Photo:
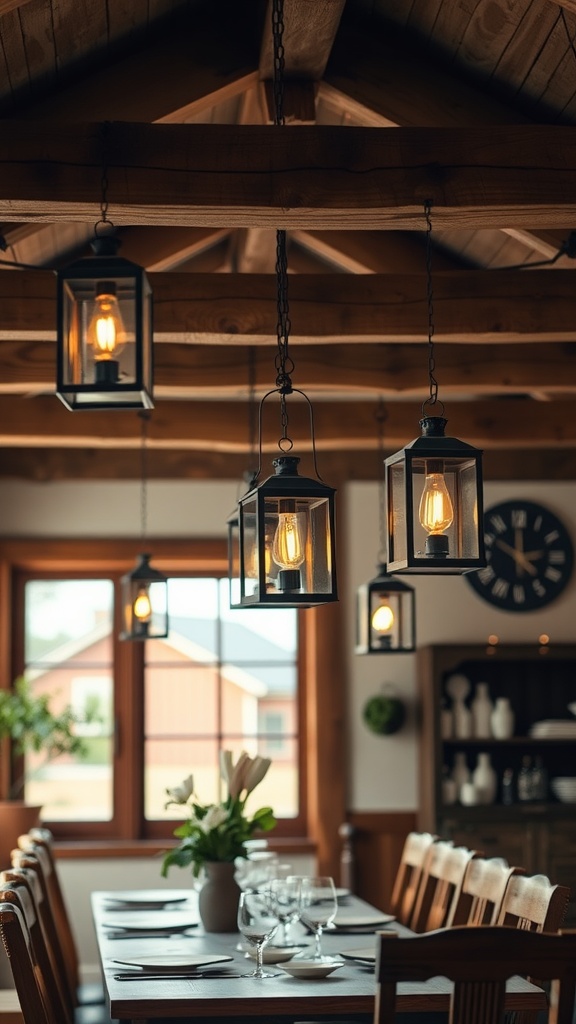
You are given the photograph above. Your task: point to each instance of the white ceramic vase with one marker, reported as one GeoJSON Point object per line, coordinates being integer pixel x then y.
{"type": "Point", "coordinates": [502, 719]}
{"type": "Point", "coordinates": [462, 720]}
{"type": "Point", "coordinates": [460, 771]}
{"type": "Point", "coordinates": [485, 780]}
{"type": "Point", "coordinates": [482, 708]}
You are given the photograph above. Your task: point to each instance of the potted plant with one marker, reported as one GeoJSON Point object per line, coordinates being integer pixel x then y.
{"type": "Point", "coordinates": [29, 722]}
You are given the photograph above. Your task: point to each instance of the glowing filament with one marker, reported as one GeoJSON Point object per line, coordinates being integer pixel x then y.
{"type": "Point", "coordinates": [142, 607]}
{"type": "Point", "coordinates": [289, 546]}
{"type": "Point", "coordinates": [106, 331]}
{"type": "Point", "coordinates": [383, 618]}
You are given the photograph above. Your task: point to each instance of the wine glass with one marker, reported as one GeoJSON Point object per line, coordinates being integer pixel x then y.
{"type": "Point", "coordinates": [285, 896]}
{"type": "Point", "coordinates": [318, 906]}
{"type": "Point", "coordinates": [257, 920]}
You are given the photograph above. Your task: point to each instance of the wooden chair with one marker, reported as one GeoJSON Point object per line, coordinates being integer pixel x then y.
{"type": "Point", "coordinates": [532, 903]}
{"type": "Point", "coordinates": [482, 892]}
{"type": "Point", "coordinates": [34, 1001]}
{"type": "Point", "coordinates": [48, 988]}
{"type": "Point", "coordinates": [38, 843]}
{"type": "Point", "coordinates": [19, 879]}
{"type": "Point", "coordinates": [416, 848]}
{"type": "Point", "coordinates": [440, 885]}
{"type": "Point", "coordinates": [479, 961]}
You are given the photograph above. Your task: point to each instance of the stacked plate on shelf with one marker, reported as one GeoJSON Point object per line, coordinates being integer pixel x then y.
{"type": "Point", "coordinates": [554, 729]}
{"type": "Point", "coordinates": [564, 788]}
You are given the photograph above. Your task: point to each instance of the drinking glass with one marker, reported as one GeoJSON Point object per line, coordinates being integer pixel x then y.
{"type": "Point", "coordinates": [257, 920]}
{"type": "Point", "coordinates": [285, 896]}
{"type": "Point", "coordinates": [318, 906]}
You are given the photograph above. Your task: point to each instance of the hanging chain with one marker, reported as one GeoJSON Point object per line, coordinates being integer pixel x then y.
{"type": "Point", "coordinates": [283, 363]}
{"type": "Point", "coordinates": [104, 222]}
{"type": "Point", "coordinates": [144, 416]}
{"type": "Point", "coordinates": [381, 417]}
{"type": "Point", "coordinates": [278, 69]}
{"type": "Point", "coordinates": [433, 383]}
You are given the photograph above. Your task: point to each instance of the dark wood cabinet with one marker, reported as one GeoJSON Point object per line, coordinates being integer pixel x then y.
{"type": "Point", "coordinates": [539, 835]}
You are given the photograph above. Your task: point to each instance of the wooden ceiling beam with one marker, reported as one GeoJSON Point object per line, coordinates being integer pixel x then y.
{"type": "Point", "coordinates": [196, 426]}
{"type": "Point", "coordinates": [45, 465]}
{"type": "Point", "coordinates": [469, 306]}
{"type": "Point", "coordinates": [196, 371]}
{"type": "Point", "coordinates": [308, 176]}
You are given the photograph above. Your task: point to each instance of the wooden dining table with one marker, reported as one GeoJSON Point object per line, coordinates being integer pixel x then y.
{"type": "Point", "coordinates": [278, 1000]}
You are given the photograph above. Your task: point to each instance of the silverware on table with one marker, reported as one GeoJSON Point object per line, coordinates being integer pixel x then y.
{"type": "Point", "coordinates": [168, 976]}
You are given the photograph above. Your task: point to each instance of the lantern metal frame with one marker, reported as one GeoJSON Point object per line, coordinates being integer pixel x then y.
{"type": "Point", "coordinates": [144, 583]}
{"type": "Point", "coordinates": [443, 470]}
{"type": "Point", "coordinates": [104, 323]}
{"type": "Point", "coordinates": [395, 600]}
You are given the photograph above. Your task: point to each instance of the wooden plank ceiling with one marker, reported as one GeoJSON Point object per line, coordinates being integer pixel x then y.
{"type": "Point", "coordinates": [482, 97]}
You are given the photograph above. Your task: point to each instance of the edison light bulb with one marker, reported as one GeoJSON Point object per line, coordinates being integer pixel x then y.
{"type": "Point", "coordinates": [435, 513]}
{"type": "Point", "coordinates": [106, 331]}
{"type": "Point", "coordinates": [142, 607]}
{"type": "Point", "coordinates": [289, 545]}
{"type": "Point", "coordinates": [383, 618]}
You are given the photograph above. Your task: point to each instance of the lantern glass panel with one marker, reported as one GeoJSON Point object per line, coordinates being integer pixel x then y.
{"type": "Point", "coordinates": [249, 559]}
{"type": "Point", "coordinates": [397, 512]}
{"type": "Point", "coordinates": [390, 620]}
{"type": "Point", "coordinates": [300, 544]}
{"type": "Point", "coordinates": [451, 505]}
{"type": "Point", "coordinates": [145, 626]}
{"type": "Point", "coordinates": [99, 325]}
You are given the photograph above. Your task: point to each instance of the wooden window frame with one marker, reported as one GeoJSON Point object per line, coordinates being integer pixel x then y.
{"type": "Point", "coordinates": [321, 725]}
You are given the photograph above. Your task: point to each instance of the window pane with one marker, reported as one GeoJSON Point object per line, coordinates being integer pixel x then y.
{"type": "Point", "coordinates": [68, 648]}
{"type": "Point", "coordinates": [210, 686]}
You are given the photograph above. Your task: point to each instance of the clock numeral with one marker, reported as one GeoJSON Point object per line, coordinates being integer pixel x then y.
{"type": "Point", "coordinates": [486, 575]}
{"type": "Point", "coordinates": [553, 574]}
{"type": "Point", "coordinates": [537, 524]}
{"type": "Point", "coordinates": [538, 588]}
{"type": "Point", "coordinates": [557, 557]}
{"type": "Point", "coordinates": [500, 588]}
{"type": "Point", "coordinates": [518, 593]}
{"type": "Point", "coordinates": [488, 539]}
{"type": "Point", "coordinates": [498, 524]}
{"type": "Point", "coordinates": [549, 538]}
{"type": "Point", "coordinates": [518, 518]}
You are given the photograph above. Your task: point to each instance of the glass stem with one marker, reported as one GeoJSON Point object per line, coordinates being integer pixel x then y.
{"type": "Point", "coordinates": [318, 938]}
{"type": "Point", "coordinates": [259, 949]}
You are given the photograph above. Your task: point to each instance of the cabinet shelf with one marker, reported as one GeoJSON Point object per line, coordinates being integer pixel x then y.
{"type": "Point", "coordinates": [513, 741]}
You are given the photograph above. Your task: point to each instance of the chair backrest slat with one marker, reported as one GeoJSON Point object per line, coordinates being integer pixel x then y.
{"type": "Point", "coordinates": [440, 885]}
{"type": "Point", "coordinates": [482, 892]}
{"type": "Point", "coordinates": [416, 848]}
{"type": "Point", "coordinates": [532, 903]}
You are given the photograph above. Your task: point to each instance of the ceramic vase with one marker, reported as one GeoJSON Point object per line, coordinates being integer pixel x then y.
{"type": "Point", "coordinates": [485, 780]}
{"type": "Point", "coordinates": [460, 772]}
{"type": "Point", "coordinates": [462, 720]}
{"type": "Point", "coordinates": [482, 708]}
{"type": "Point", "coordinates": [218, 898]}
{"type": "Point", "coordinates": [502, 719]}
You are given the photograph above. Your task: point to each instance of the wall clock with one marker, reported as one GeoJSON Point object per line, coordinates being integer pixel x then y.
{"type": "Point", "coordinates": [529, 556]}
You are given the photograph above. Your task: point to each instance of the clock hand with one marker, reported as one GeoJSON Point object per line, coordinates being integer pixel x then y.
{"type": "Point", "coordinates": [522, 562]}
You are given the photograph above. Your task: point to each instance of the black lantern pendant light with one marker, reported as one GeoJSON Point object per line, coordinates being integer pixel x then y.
{"type": "Point", "coordinates": [144, 591]}
{"type": "Point", "coordinates": [104, 345]}
{"type": "Point", "coordinates": [282, 547]}
{"type": "Point", "coordinates": [434, 488]}
{"type": "Point", "coordinates": [385, 607]}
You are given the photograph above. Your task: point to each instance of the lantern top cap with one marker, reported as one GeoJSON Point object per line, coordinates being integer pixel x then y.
{"type": "Point", "coordinates": [144, 571]}
{"type": "Point", "coordinates": [384, 579]}
{"type": "Point", "coordinates": [433, 426]}
{"type": "Point", "coordinates": [105, 245]}
{"type": "Point", "coordinates": [286, 465]}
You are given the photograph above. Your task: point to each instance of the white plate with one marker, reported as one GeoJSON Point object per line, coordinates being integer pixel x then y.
{"type": "Point", "coordinates": [174, 961]}
{"type": "Point", "coordinates": [363, 956]}
{"type": "Point", "coordinates": [150, 920]}
{"type": "Point", "coordinates": [272, 954]}
{"type": "Point", "coordinates": [145, 897]}
{"type": "Point", "coordinates": [342, 893]}
{"type": "Point", "coordinates": [311, 968]}
{"type": "Point", "coordinates": [343, 920]}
